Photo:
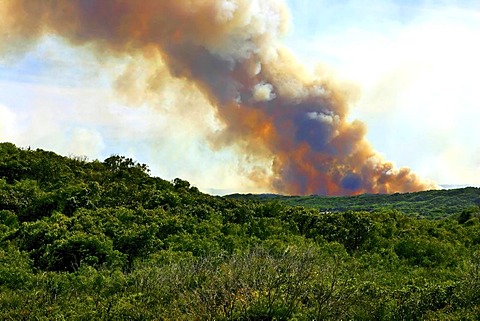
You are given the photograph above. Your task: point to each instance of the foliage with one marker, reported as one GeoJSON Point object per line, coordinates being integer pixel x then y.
{"type": "Point", "coordinates": [88, 240]}
{"type": "Point", "coordinates": [430, 204]}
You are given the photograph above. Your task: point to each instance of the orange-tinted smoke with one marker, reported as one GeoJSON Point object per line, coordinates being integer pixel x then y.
{"type": "Point", "coordinates": [271, 108]}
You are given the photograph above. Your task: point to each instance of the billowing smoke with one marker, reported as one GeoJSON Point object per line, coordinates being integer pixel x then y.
{"type": "Point", "coordinates": [271, 108]}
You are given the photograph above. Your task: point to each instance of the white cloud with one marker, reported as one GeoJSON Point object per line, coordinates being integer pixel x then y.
{"type": "Point", "coordinates": [8, 124]}
{"type": "Point", "coordinates": [85, 142]}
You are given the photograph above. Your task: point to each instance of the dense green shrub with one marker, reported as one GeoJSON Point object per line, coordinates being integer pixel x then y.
{"type": "Point", "coordinates": [95, 240]}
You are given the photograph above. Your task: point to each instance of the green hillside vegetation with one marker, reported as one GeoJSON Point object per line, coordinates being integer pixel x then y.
{"type": "Point", "coordinates": [104, 240]}
{"type": "Point", "coordinates": [430, 204]}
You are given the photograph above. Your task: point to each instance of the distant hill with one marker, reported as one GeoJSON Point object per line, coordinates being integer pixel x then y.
{"type": "Point", "coordinates": [429, 204]}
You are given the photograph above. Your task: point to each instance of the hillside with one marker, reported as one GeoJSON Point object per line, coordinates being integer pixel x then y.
{"type": "Point", "coordinates": [428, 204]}
{"type": "Point", "coordinates": [104, 240]}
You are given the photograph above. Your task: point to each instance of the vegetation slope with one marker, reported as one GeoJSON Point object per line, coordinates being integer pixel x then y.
{"type": "Point", "coordinates": [91, 240]}
{"type": "Point", "coordinates": [433, 204]}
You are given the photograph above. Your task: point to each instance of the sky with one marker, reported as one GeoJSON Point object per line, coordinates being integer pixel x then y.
{"type": "Point", "coordinates": [416, 65]}
{"type": "Point", "coordinates": [412, 64]}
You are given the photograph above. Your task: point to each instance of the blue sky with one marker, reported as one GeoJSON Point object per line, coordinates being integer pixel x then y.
{"type": "Point", "coordinates": [414, 65]}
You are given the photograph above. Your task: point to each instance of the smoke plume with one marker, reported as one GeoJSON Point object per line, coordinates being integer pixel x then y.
{"type": "Point", "coordinates": [270, 106]}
